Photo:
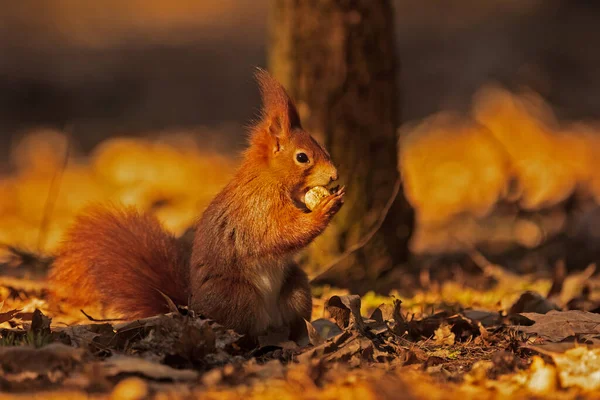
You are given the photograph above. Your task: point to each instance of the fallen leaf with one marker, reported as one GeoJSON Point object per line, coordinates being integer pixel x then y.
{"type": "Point", "coordinates": [532, 302]}
{"type": "Point", "coordinates": [574, 284]}
{"type": "Point", "coordinates": [195, 342]}
{"type": "Point", "coordinates": [126, 365]}
{"type": "Point", "coordinates": [314, 337]}
{"type": "Point", "coordinates": [399, 326]}
{"type": "Point", "coordinates": [348, 349]}
{"type": "Point", "coordinates": [55, 356]}
{"type": "Point", "coordinates": [444, 336]}
{"type": "Point", "coordinates": [178, 340]}
{"type": "Point", "coordinates": [326, 328]}
{"type": "Point", "coordinates": [559, 325]}
{"type": "Point", "coordinates": [462, 327]}
{"type": "Point", "coordinates": [7, 316]}
{"type": "Point", "coordinates": [331, 345]}
{"type": "Point", "coordinates": [383, 313]}
{"type": "Point", "coordinates": [86, 336]}
{"type": "Point", "coordinates": [550, 348]}
{"type": "Point", "coordinates": [40, 324]}
{"type": "Point", "coordinates": [342, 307]}
{"type": "Point", "coordinates": [486, 318]}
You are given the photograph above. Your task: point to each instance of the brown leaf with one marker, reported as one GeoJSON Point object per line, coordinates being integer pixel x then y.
{"type": "Point", "coordinates": [346, 311]}
{"type": "Point", "coordinates": [7, 316]}
{"type": "Point", "coordinates": [339, 307]}
{"type": "Point", "coordinates": [326, 328]}
{"type": "Point", "coordinates": [559, 325]}
{"type": "Point", "coordinates": [40, 361]}
{"type": "Point", "coordinates": [486, 318]}
{"type": "Point", "coordinates": [551, 348]}
{"type": "Point", "coordinates": [40, 324]}
{"type": "Point", "coordinates": [195, 342]}
{"type": "Point", "coordinates": [371, 352]}
{"type": "Point", "coordinates": [87, 336]}
{"type": "Point", "coordinates": [347, 350]}
{"type": "Point", "coordinates": [383, 313]}
{"type": "Point", "coordinates": [329, 346]}
{"type": "Point", "coordinates": [117, 365]}
{"type": "Point", "coordinates": [400, 326]}
{"type": "Point", "coordinates": [183, 340]}
{"type": "Point", "coordinates": [532, 302]}
{"type": "Point", "coordinates": [314, 337]}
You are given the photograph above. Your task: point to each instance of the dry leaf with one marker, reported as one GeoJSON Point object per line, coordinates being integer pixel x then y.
{"type": "Point", "coordinates": [486, 318]}
{"type": "Point", "coordinates": [444, 335]}
{"type": "Point", "coordinates": [7, 316]}
{"type": "Point", "coordinates": [559, 325]}
{"type": "Point", "coordinates": [342, 307]}
{"type": "Point", "coordinates": [40, 324]}
{"type": "Point", "coordinates": [314, 337]}
{"type": "Point", "coordinates": [55, 356]}
{"type": "Point", "coordinates": [532, 302]}
{"type": "Point", "coordinates": [119, 364]}
{"type": "Point", "coordinates": [326, 328]}
{"type": "Point", "coordinates": [383, 313]}
{"type": "Point", "coordinates": [551, 348]}
{"type": "Point", "coordinates": [195, 342]}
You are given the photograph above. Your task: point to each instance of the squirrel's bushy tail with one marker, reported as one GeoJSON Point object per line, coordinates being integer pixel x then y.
{"type": "Point", "coordinates": [122, 260]}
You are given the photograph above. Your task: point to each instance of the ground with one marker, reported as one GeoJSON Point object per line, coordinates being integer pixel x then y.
{"type": "Point", "coordinates": [486, 334]}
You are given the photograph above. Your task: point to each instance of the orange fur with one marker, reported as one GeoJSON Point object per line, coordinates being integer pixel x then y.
{"type": "Point", "coordinates": [241, 272]}
{"type": "Point", "coordinates": [248, 234]}
{"type": "Point", "coordinates": [120, 260]}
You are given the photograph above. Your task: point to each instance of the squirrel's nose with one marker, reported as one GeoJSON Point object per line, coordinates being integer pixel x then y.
{"type": "Point", "coordinates": [334, 176]}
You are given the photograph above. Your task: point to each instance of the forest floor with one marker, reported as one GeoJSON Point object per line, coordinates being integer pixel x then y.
{"type": "Point", "coordinates": [495, 334]}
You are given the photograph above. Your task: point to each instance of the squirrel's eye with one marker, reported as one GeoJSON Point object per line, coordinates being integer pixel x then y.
{"type": "Point", "coordinates": [302, 158]}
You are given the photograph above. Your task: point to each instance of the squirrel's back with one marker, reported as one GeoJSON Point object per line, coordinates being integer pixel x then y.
{"type": "Point", "coordinates": [121, 260]}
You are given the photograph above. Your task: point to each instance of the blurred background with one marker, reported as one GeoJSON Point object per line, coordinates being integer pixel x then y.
{"type": "Point", "coordinates": [494, 104]}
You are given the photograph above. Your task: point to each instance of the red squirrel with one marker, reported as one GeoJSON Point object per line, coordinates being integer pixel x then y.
{"type": "Point", "coordinates": [241, 273]}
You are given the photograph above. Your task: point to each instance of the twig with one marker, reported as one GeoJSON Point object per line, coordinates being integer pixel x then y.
{"type": "Point", "coordinates": [53, 194]}
{"type": "Point", "coordinates": [100, 320]}
{"type": "Point", "coordinates": [365, 239]}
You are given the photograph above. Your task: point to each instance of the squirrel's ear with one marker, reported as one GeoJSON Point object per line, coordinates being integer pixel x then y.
{"type": "Point", "coordinates": [278, 108]}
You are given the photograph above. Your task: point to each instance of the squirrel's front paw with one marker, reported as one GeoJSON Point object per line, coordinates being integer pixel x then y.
{"type": "Point", "coordinates": [331, 204]}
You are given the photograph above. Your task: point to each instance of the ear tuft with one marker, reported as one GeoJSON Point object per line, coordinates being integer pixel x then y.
{"type": "Point", "coordinates": [278, 107]}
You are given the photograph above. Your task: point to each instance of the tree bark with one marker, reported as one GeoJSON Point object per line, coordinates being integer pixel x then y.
{"type": "Point", "coordinates": [338, 61]}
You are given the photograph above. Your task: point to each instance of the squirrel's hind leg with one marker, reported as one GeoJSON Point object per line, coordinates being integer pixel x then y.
{"type": "Point", "coordinates": [295, 301]}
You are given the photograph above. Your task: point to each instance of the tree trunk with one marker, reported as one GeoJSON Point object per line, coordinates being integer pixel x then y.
{"type": "Point", "coordinates": [338, 61]}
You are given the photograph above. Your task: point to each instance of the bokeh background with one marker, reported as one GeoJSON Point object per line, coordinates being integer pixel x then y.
{"type": "Point", "coordinates": [124, 67]}
{"type": "Point", "coordinates": [155, 95]}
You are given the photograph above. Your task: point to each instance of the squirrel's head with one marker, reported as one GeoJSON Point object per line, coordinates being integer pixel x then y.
{"type": "Point", "coordinates": [291, 155]}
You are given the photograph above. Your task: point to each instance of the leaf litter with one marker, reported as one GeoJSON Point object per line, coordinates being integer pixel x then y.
{"type": "Point", "coordinates": [438, 343]}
